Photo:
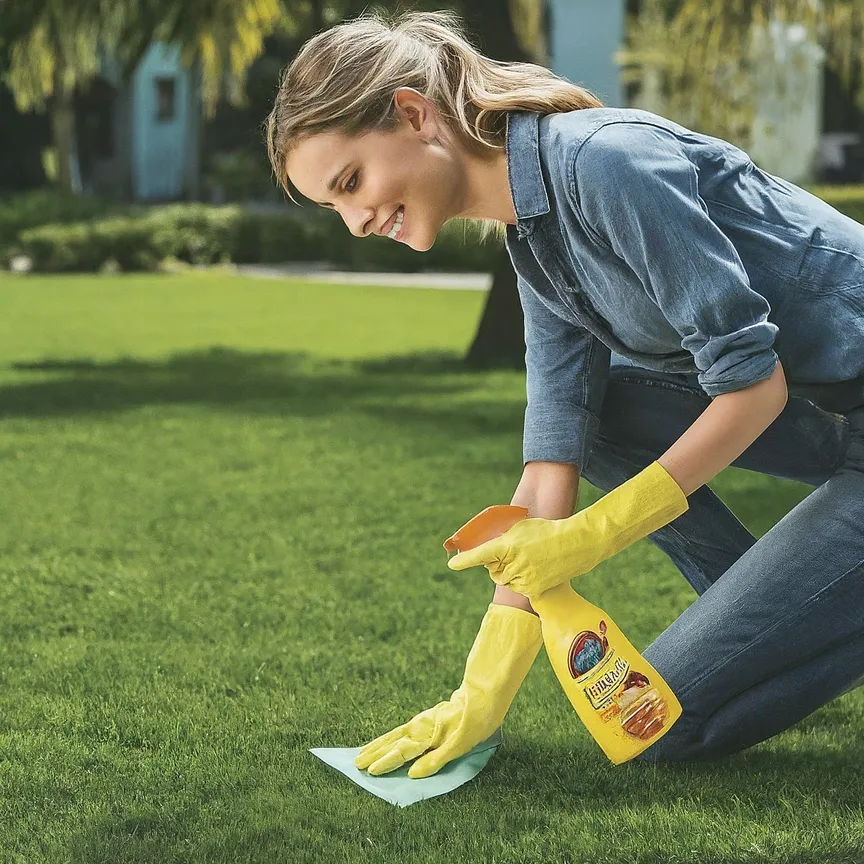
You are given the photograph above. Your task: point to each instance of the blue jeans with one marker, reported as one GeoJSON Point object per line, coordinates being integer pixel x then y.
{"type": "Point", "coordinates": [777, 630]}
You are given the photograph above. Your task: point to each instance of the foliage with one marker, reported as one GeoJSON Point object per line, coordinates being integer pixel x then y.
{"type": "Point", "coordinates": [240, 175]}
{"type": "Point", "coordinates": [705, 53]}
{"type": "Point", "coordinates": [847, 199]}
{"type": "Point", "coordinates": [61, 233]}
{"type": "Point", "coordinates": [47, 206]}
{"type": "Point", "coordinates": [58, 46]}
{"type": "Point", "coordinates": [223, 36]}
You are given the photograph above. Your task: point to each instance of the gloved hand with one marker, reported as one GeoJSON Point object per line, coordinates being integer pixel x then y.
{"type": "Point", "coordinates": [503, 652]}
{"type": "Point", "coordinates": [538, 554]}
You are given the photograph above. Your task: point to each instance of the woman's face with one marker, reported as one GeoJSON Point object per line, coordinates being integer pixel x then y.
{"type": "Point", "coordinates": [414, 167]}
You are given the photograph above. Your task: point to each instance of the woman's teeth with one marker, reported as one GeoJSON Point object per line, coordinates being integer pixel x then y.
{"type": "Point", "coordinates": [397, 225]}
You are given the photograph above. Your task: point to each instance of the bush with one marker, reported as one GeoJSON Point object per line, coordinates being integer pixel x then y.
{"type": "Point", "coordinates": [206, 234]}
{"type": "Point", "coordinates": [87, 246]}
{"type": "Point", "coordinates": [48, 206]}
{"type": "Point", "coordinates": [278, 236]}
{"type": "Point", "coordinates": [129, 241]}
{"type": "Point", "coordinates": [196, 233]}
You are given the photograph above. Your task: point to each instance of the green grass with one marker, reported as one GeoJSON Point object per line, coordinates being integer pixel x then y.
{"type": "Point", "coordinates": [223, 503]}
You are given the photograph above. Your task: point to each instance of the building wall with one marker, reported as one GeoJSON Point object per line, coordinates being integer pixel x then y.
{"type": "Point", "coordinates": [160, 145]}
{"type": "Point", "coordinates": [584, 36]}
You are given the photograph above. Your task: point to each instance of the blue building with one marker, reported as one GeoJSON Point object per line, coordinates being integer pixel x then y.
{"type": "Point", "coordinates": [583, 38]}
{"type": "Point", "coordinates": [166, 126]}
{"type": "Point", "coordinates": [141, 137]}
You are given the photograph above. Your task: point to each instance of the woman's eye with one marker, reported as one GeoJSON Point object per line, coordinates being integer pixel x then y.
{"type": "Point", "coordinates": [348, 186]}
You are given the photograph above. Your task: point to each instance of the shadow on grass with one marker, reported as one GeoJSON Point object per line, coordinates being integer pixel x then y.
{"type": "Point", "coordinates": [297, 384]}
{"type": "Point", "coordinates": [275, 383]}
{"type": "Point", "coordinates": [762, 779]}
{"type": "Point", "coordinates": [533, 787]}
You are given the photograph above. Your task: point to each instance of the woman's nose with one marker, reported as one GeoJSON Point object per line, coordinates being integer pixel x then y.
{"type": "Point", "coordinates": [360, 223]}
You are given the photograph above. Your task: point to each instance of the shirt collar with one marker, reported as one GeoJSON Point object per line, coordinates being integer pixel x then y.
{"type": "Point", "coordinates": [523, 168]}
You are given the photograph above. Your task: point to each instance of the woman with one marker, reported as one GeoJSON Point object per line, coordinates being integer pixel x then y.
{"type": "Point", "coordinates": [649, 258]}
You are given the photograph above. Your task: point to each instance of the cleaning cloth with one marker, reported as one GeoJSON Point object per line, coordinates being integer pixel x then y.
{"type": "Point", "coordinates": [397, 787]}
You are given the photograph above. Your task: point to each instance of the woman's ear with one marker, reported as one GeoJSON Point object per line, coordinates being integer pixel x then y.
{"type": "Point", "coordinates": [418, 111]}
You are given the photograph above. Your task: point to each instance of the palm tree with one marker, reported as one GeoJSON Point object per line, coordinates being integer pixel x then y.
{"type": "Point", "coordinates": [54, 50]}
{"type": "Point", "coordinates": [58, 46]}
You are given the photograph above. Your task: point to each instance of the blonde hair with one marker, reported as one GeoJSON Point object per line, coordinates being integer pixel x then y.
{"type": "Point", "coordinates": [344, 79]}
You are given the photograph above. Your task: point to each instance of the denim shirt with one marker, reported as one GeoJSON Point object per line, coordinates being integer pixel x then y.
{"type": "Point", "coordinates": [640, 240]}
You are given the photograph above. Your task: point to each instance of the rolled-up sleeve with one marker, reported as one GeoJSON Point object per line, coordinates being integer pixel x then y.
{"type": "Point", "coordinates": [638, 194]}
{"type": "Point", "coordinates": [567, 369]}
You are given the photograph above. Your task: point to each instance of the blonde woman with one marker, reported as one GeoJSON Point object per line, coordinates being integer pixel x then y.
{"type": "Point", "coordinates": [684, 311]}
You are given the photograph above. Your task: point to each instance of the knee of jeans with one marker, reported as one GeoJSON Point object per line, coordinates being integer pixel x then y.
{"type": "Point", "coordinates": [682, 743]}
{"type": "Point", "coordinates": [690, 740]}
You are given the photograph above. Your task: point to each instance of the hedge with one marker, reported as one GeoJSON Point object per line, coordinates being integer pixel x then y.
{"type": "Point", "coordinates": [47, 206]}
{"type": "Point", "coordinates": [205, 234]}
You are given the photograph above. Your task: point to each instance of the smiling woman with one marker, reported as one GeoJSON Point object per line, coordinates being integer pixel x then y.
{"type": "Point", "coordinates": [375, 117]}
{"type": "Point", "coordinates": [405, 175]}
{"type": "Point", "coordinates": [732, 294]}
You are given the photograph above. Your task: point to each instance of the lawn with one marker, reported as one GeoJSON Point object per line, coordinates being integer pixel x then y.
{"type": "Point", "coordinates": [220, 544]}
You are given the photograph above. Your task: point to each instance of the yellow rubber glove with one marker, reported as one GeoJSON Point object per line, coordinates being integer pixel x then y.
{"type": "Point", "coordinates": [499, 660]}
{"type": "Point", "coordinates": [538, 554]}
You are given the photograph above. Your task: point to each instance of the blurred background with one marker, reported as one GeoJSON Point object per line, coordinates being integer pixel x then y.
{"type": "Point", "coordinates": [131, 129]}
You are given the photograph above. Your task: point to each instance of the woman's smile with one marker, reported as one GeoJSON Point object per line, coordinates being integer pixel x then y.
{"type": "Point", "coordinates": [395, 224]}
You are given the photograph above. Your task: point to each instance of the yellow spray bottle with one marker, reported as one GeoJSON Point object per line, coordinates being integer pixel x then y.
{"type": "Point", "coordinates": [619, 696]}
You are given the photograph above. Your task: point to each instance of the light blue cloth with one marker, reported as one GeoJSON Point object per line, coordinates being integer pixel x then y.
{"type": "Point", "coordinates": [397, 787]}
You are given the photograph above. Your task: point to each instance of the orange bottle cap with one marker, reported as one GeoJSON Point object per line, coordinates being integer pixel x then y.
{"type": "Point", "coordinates": [486, 525]}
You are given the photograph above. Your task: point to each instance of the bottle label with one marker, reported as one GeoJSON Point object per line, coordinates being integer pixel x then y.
{"type": "Point", "coordinates": [605, 682]}
{"type": "Point", "coordinates": [618, 693]}
{"type": "Point", "coordinates": [587, 650]}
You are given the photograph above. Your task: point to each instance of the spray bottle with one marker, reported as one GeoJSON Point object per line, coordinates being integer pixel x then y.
{"type": "Point", "coordinates": [619, 696]}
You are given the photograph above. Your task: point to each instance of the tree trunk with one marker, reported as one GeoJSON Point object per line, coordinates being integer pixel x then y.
{"type": "Point", "coordinates": [123, 185]}
{"type": "Point", "coordinates": [317, 22]}
{"type": "Point", "coordinates": [63, 128]}
{"type": "Point", "coordinates": [499, 340]}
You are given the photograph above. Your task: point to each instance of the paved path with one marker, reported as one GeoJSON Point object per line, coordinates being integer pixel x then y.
{"type": "Point", "coordinates": [453, 281]}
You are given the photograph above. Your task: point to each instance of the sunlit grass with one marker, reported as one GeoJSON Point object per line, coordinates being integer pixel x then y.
{"type": "Point", "coordinates": [223, 503]}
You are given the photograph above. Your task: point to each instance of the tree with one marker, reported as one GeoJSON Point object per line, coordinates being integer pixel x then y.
{"type": "Point", "coordinates": [694, 51]}
{"type": "Point", "coordinates": [697, 59]}
{"type": "Point", "coordinates": [58, 46]}
{"type": "Point", "coordinates": [514, 32]}
{"type": "Point", "coordinates": [223, 37]}
{"type": "Point", "coordinates": [54, 50]}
